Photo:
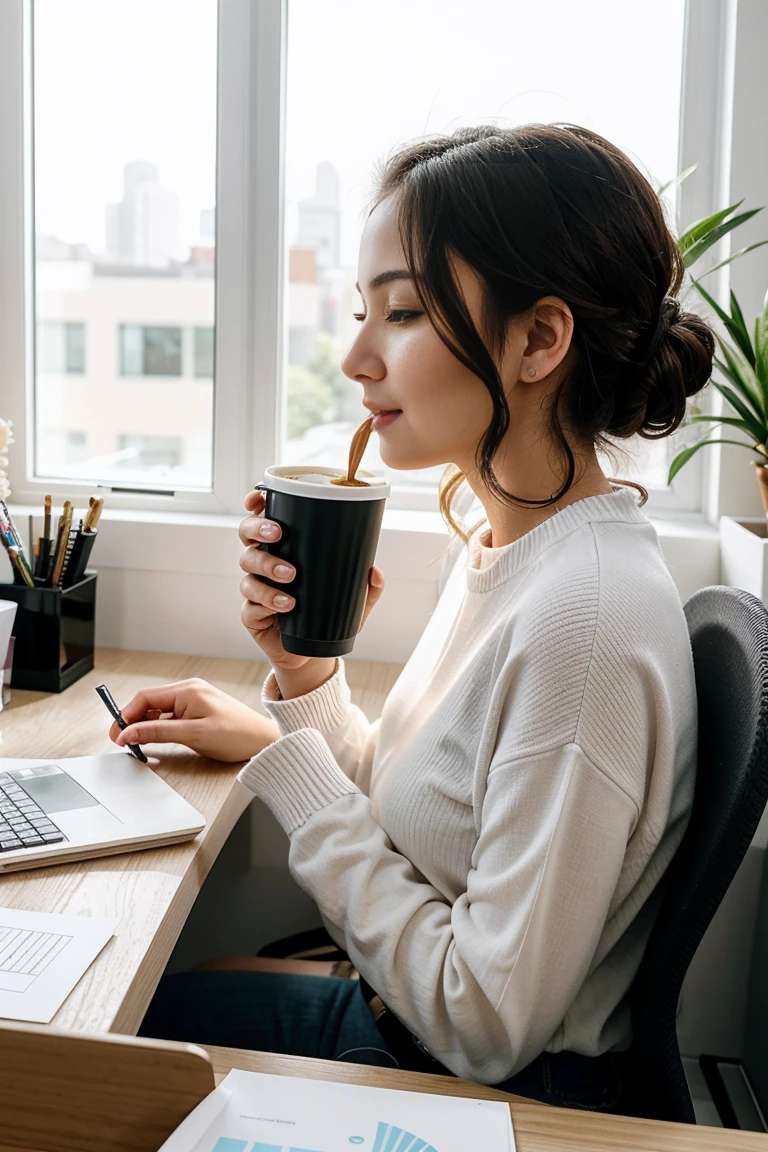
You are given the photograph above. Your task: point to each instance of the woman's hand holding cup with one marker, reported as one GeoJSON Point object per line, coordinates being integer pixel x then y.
{"type": "Point", "coordinates": [296, 675]}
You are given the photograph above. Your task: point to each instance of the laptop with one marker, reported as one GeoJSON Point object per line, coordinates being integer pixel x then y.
{"type": "Point", "coordinates": [75, 808]}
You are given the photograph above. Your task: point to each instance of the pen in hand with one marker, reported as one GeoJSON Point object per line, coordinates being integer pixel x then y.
{"type": "Point", "coordinates": [117, 715]}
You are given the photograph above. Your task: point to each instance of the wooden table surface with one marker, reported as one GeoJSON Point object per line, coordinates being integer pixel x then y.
{"type": "Point", "coordinates": [152, 890]}
{"type": "Point", "coordinates": [538, 1127]}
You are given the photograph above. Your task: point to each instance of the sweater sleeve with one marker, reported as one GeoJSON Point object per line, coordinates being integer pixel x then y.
{"type": "Point", "coordinates": [484, 981]}
{"type": "Point", "coordinates": [350, 736]}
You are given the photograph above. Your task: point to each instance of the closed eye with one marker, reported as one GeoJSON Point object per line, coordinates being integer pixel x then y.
{"type": "Point", "coordinates": [403, 314]}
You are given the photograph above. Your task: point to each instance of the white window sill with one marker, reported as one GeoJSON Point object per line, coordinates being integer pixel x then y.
{"type": "Point", "coordinates": [206, 544]}
{"type": "Point", "coordinates": [169, 582]}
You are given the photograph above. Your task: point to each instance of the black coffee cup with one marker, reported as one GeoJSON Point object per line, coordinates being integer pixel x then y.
{"type": "Point", "coordinates": [329, 535]}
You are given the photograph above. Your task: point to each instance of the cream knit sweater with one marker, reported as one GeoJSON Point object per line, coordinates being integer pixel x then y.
{"type": "Point", "coordinates": [489, 852]}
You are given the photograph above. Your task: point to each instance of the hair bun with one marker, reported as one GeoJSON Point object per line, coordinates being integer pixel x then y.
{"type": "Point", "coordinates": [679, 367]}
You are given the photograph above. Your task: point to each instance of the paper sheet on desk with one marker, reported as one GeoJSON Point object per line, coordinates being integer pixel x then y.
{"type": "Point", "coordinates": [263, 1113]}
{"type": "Point", "coordinates": [42, 957]}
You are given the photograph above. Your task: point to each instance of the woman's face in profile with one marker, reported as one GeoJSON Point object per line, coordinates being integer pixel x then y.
{"type": "Point", "coordinates": [401, 363]}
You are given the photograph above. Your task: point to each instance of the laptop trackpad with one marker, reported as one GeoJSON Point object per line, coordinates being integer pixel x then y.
{"type": "Point", "coordinates": [53, 789]}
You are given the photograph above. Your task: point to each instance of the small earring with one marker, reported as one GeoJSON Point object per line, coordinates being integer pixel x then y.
{"type": "Point", "coordinates": [532, 372]}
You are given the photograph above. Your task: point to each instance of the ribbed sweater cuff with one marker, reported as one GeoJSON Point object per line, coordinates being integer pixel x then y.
{"type": "Point", "coordinates": [323, 709]}
{"type": "Point", "coordinates": [296, 777]}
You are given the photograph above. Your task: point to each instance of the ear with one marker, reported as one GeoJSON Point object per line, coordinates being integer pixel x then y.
{"type": "Point", "coordinates": [549, 336]}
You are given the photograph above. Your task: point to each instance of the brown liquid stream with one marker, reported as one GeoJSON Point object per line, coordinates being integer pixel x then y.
{"type": "Point", "coordinates": [356, 450]}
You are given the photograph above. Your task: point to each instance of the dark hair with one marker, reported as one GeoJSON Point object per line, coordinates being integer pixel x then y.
{"type": "Point", "coordinates": [551, 209]}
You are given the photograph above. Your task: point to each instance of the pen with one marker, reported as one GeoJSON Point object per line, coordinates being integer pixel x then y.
{"type": "Point", "coordinates": [44, 547]}
{"type": "Point", "coordinates": [117, 715]}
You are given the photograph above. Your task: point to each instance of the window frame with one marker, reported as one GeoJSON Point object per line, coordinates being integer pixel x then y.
{"type": "Point", "coordinates": [249, 210]}
{"type": "Point", "coordinates": [251, 264]}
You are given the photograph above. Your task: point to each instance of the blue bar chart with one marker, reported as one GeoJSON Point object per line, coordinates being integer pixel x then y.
{"type": "Point", "coordinates": [388, 1138]}
{"type": "Point", "coordinates": [260, 1112]}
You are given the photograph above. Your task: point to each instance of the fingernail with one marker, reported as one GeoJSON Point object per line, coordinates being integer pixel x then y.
{"type": "Point", "coordinates": [270, 531]}
{"type": "Point", "coordinates": [282, 601]}
{"type": "Point", "coordinates": [284, 571]}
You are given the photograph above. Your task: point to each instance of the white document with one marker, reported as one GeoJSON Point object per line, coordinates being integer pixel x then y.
{"type": "Point", "coordinates": [258, 1113]}
{"type": "Point", "coordinates": [42, 957]}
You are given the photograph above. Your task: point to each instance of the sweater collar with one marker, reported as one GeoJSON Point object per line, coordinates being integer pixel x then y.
{"type": "Point", "coordinates": [619, 505]}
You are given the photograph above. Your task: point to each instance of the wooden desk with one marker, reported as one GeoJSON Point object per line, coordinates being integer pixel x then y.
{"type": "Point", "coordinates": [153, 890]}
{"type": "Point", "coordinates": [538, 1127]}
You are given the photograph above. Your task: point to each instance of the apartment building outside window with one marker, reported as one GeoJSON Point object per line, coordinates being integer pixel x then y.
{"type": "Point", "coordinates": [61, 348]}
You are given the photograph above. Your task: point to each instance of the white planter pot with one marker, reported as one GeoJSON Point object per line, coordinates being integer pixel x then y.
{"type": "Point", "coordinates": [744, 554]}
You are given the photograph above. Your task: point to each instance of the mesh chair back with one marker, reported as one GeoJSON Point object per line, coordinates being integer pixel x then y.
{"type": "Point", "coordinates": [729, 638]}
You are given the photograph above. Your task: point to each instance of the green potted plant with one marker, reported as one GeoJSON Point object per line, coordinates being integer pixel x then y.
{"type": "Point", "coordinates": [741, 377]}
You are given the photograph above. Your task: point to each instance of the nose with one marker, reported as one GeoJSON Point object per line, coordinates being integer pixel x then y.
{"type": "Point", "coordinates": [361, 363]}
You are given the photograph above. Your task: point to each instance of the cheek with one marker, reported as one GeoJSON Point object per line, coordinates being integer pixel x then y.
{"type": "Point", "coordinates": [426, 371]}
{"type": "Point", "coordinates": [434, 383]}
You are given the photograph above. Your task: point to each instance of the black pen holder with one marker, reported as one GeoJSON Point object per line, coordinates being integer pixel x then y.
{"type": "Point", "coordinates": [54, 630]}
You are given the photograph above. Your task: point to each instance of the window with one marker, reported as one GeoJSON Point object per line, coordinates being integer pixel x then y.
{"type": "Point", "coordinates": [373, 86]}
{"type": "Point", "coordinates": [146, 187]}
{"type": "Point", "coordinates": [61, 348]}
{"type": "Point", "coordinates": [150, 453]}
{"type": "Point", "coordinates": [204, 352]}
{"type": "Point", "coordinates": [124, 146]}
{"type": "Point", "coordinates": [150, 351]}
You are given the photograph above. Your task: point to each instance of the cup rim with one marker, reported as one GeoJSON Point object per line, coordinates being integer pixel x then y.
{"type": "Point", "coordinates": [379, 488]}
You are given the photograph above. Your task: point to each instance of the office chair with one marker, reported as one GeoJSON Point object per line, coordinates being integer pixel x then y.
{"type": "Point", "coordinates": [729, 638]}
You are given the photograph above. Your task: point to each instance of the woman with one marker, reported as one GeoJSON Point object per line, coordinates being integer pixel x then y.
{"type": "Point", "coordinates": [489, 854]}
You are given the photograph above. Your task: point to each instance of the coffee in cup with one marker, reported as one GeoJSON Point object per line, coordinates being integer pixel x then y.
{"type": "Point", "coordinates": [330, 532]}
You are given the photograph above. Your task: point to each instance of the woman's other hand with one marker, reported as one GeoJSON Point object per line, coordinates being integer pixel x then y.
{"type": "Point", "coordinates": [194, 713]}
{"type": "Point", "coordinates": [262, 605]}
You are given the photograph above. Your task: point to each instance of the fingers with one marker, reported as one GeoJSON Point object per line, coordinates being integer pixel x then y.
{"type": "Point", "coordinates": [257, 530]}
{"type": "Point", "coordinates": [264, 596]}
{"type": "Point", "coordinates": [257, 619]}
{"type": "Point", "coordinates": [163, 698]}
{"type": "Point", "coordinates": [262, 564]}
{"type": "Point", "coordinates": [156, 732]}
{"type": "Point", "coordinates": [375, 590]}
{"type": "Point", "coordinates": [255, 500]}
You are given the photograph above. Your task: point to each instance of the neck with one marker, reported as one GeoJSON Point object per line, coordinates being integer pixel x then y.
{"type": "Point", "coordinates": [534, 480]}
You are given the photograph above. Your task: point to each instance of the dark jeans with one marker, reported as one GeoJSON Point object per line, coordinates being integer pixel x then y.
{"type": "Point", "coordinates": [327, 1017]}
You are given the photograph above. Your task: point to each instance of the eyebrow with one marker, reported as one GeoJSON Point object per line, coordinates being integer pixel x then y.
{"type": "Point", "coordinates": [387, 277]}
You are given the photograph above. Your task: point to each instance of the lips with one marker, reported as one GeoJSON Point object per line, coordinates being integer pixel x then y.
{"type": "Point", "coordinates": [379, 409]}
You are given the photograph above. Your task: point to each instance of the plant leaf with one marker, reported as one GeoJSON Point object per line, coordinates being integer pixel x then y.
{"type": "Point", "coordinates": [728, 322]}
{"type": "Point", "coordinates": [736, 421]}
{"type": "Point", "coordinates": [749, 385]}
{"type": "Point", "coordinates": [703, 227]}
{"type": "Point", "coordinates": [692, 254]}
{"type": "Point", "coordinates": [741, 252]}
{"type": "Point", "coordinates": [726, 372]}
{"type": "Point", "coordinates": [684, 456]}
{"type": "Point", "coordinates": [761, 346]}
{"type": "Point", "coordinates": [743, 339]}
{"type": "Point", "coordinates": [756, 428]}
{"type": "Point", "coordinates": [678, 179]}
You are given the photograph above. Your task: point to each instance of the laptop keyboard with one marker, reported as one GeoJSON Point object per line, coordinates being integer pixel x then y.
{"type": "Point", "coordinates": [23, 824]}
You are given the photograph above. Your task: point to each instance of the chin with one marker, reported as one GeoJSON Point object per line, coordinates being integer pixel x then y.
{"type": "Point", "coordinates": [404, 461]}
